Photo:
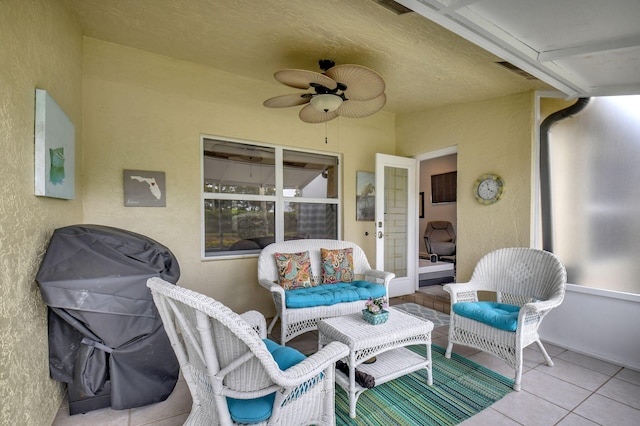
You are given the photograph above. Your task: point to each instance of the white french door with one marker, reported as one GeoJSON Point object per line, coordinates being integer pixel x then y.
{"type": "Point", "coordinates": [397, 221]}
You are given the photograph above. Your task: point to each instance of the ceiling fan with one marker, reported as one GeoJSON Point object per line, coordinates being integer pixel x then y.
{"type": "Point", "coordinates": [346, 90]}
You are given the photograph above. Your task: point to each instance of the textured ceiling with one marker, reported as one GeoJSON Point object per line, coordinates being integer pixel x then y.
{"type": "Point", "coordinates": [423, 64]}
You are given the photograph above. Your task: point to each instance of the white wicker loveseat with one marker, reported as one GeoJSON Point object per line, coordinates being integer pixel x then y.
{"type": "Point", "coordinates": [295, 321]}
{"type": "Point", "coordinates": [528, 283]}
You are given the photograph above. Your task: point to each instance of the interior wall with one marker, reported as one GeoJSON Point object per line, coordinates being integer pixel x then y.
{"type": "Point", "coordinates": [40, 47]}
{"type": "Point", "coordinates": [492, 136]}
{"type": "Point", "coordinates": [442, 211]}
{"type": "Point", "coordinates": [147, 112]}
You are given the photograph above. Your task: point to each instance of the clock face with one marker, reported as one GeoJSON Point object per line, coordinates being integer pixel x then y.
{"type": "Point", "coordinates": [488, 188]}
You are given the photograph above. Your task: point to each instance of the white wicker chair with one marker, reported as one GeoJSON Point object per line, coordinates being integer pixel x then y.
{"type": "Point", "coordinates": [294, 322]}
{"type": "Point", "coordinates": [533, 279]}
{"type": "Point", "coordinates": [222, 355]}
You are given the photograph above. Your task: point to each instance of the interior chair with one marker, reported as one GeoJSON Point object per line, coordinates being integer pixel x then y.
{"type": "Point", "coordinates": [440, 239]}
{"type": "Point", "coordinates": [528, 283]}
{"type": "Point", "coordinates": [236, 375]}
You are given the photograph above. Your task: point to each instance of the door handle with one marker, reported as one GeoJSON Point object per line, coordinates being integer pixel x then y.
{"type": "Point", "coordinates": [380, 234]}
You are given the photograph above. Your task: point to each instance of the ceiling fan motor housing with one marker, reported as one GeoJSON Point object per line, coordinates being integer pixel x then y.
{"type": "Point", "coordinates": [325, 64]}
{"type": "Point", "coordinates": [323, 90]}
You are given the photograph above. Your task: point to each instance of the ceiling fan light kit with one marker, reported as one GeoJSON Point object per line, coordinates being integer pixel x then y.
{"type": "Point", "coordinates": [346, 90]}
{"type": "Point", "coordinates": [326, 102]}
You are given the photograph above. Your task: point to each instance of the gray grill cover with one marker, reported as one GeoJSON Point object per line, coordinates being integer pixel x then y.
{"type": "Point", "coordinates": [103, 324]}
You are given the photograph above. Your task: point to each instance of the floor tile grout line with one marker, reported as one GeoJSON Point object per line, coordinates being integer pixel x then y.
{"type": "Point", "coordinates": [559, 406]}
{"type": "Point", "coordinates": [620, 368]}
{"type": "Point", "coordinates": [561, 379]}
{"type": "Point", "coordinates": [595, 392]}
{"type": "Point", "coordinates": [624, 380]}
{"type": "Point", "coordinates": [507, 416]}
{"type": "Point", "coordinates": [582, 417]}
{"type": "Point", "coordinates": [587, 368]}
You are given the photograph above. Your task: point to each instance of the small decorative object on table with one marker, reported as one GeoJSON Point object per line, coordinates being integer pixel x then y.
{"type": "Point", "coordinates": [374, 312]}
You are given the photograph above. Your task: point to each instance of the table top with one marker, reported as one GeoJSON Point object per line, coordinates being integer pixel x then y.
{"type": "Point", "coordinates": [354, 331]}
{"type": "Point", "coordinates": [425, 265]}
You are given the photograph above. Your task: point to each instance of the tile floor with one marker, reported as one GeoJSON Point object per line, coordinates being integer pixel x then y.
{"type": "Point", "coordinates": [578, 390]}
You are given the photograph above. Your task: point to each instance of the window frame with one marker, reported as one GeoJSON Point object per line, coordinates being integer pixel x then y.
{"type": "Point", "coordinates": [279, 199]}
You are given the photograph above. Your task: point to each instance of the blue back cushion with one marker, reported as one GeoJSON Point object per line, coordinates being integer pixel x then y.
{"type": "Point", "coordinates": [330, 294]}
{"type": "Point", "coordinates": [259, 409]}
{"type": "Point", "coordinates": [498, 315]}
{"type": "Point", "coordinates": [285, 356]}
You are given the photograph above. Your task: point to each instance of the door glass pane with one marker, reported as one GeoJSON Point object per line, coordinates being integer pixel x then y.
{"type": "Point", "coordinates": [395, 220]}
{"type": "Point", "coordinates": [310, 175]}
{"type": "Point", "coordinates": [238, 225]}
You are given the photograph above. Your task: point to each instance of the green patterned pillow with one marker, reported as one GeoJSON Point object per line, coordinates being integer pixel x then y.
{"type": "Point", "coordinates": [294, 270]}
{"type": "Point", "coordinates": [337, 265]}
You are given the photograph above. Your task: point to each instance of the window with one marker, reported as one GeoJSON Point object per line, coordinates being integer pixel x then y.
{"type": "Point", "coordinates": [595, 196]}
{"type": "Point", "coordinates": [255, 194]}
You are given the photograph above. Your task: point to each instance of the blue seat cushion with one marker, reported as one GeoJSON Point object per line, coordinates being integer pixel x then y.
{"type": "Point", "coordinates": [498, 315]}
{"type": "Point", "coordinates": [251, 410]}
{"type": "Point", "coordinates": [330, 294]}
{"type": "Point", "coordinates": [259, 409]}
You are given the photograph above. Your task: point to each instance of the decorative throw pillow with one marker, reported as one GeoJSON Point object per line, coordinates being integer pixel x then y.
{"type": "Point", "coordinates": [337, 265]}
{"type": "Point", "coordinates": [294, 270]}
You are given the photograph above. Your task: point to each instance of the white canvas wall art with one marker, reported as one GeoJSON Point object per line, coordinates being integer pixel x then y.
{"type": "Point", "coordinates": [54, 149]}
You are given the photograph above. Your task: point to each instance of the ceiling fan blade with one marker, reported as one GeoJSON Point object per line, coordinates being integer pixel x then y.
{"type": "Point", "coordinates": [310, 114]}
{"type": "Point", "coordinates": [287, 100]}
{"type": "Point", "coordinates": [358, 109]}
{"type": "Point", "coordinates": [302, 79]}
{"type": "Point", "coordinates": [362, 83]}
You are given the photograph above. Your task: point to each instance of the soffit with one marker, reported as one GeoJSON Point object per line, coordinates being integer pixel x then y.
{"type": "Point", "coordinates": [581, 47]}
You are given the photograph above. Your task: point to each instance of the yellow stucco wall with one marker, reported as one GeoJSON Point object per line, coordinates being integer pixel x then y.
{"type": "Point", "coordinates": [550, 105]}
{"type": "Point", "coordinates": [147, 112]}
{"type": "Point", "coordinates": [493, 136]}
{"type": "Point", "coordinates": [40, 46]}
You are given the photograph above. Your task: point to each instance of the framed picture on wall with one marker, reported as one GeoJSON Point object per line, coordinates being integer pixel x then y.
{"type": "Point", "coordinates": [144, 188]}
{"type": "Point", "coordinates": [421, 205]}
{"type": "Point", "coordinates": [444, 188]}
{"type": "Point", "coordinates": [54, 149]}
{"type": "Point", "coordinates": [365, 196]}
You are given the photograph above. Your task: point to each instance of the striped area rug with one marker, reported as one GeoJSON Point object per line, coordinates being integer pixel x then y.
{"type": "Point", "coordinates": [461, 388]}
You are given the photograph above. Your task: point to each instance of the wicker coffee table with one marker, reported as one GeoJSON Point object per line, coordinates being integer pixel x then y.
{"type": "Point", "coordinates": [387, 342]}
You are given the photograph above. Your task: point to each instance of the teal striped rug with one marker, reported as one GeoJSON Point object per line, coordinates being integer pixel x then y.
{"type": "Point", "coordinates": [461, 388]}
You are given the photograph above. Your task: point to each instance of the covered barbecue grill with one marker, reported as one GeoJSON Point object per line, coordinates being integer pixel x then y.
{"type": "Point", "coordinates": [106, 339]}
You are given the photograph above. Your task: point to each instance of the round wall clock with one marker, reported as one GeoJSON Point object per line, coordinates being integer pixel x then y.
{"type": "Point", "coordinates": [488, 188]}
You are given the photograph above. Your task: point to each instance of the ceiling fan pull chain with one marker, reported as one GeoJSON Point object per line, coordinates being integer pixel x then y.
{"type": "Point", "coordinates": [338, 136]}
{"type": "Point", "coordinates": [325, 133]}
